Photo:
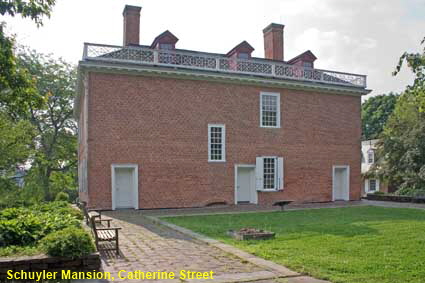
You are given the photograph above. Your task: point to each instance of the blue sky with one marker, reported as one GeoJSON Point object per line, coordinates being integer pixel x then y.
{"type": "Point", "coordinates": [357, 36]}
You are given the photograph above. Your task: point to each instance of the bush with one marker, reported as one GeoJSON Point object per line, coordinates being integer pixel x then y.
{"type": "Point", "coordinates": [24, 226]}
{"type": "Point", "coordinates": [20, 232]}
{"type": "Point", "coordinates": [409, 191]}
{"type": "Point", "coordinates": [69, 242]}
{"type": "Point", "coordinates": [62, 196]}
{"type": "Point", "coordinates": [379, 193]}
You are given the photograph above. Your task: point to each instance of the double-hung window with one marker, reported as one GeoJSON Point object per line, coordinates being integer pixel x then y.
{"type": "Point", "coordinates": [216, 143]}
{"type": "Point", "coordinates": [269, 110]}
{"type": "Point", "coordinates": [372, 185]}
{"type": "Point", "coordinates": [269, 173]}
{"type": "Point", "coordinates": [370, 156]}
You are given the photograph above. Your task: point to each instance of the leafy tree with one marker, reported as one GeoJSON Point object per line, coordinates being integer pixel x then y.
{"type": "Point", "coordinates": [54, 162]}
{"type": "Point", "coordinates": [375, 112]}
{"type": "Point", "coordinates": [403, 138]}
{"type": "Point", "coordinates": [16, 86]}
{"type": "Point", "coordinates": [15, 143]}
{"type": "Point", "coordinates": [17, 92]}
{"type": "Point", "coordinates": [34, 9]}
{"type": "Point", "coordinates": [17, 89]}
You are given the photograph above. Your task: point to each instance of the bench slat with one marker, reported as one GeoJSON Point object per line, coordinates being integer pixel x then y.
{"type": "Point", "coordinates": [106, 234]}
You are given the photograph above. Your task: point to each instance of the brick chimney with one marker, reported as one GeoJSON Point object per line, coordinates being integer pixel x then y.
{"type": "Point", "coordinates": [273, 42]}
{"type": "Point", "coordinates": [131, 25]}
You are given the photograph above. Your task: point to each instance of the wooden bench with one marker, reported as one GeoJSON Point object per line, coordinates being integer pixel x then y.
{"type": "Point", "coordinates": [109, 234]}
{"type": "Point", "coordinates": [91, 213]}
{"type": "Point", "coordinates": [282, 204]}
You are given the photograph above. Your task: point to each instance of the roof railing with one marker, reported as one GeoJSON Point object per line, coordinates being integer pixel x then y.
{"type": "Point", "coordinates": [212, 62]}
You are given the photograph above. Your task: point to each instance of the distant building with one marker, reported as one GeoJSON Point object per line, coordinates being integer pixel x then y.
{"type": "Point", "coordinates": [370, 184]}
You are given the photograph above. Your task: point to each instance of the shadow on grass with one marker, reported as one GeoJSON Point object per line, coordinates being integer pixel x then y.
{"type": "Point", "coordinates": [345, 222]}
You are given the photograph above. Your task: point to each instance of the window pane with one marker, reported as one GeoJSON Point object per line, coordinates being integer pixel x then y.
{"type": "Point", "coordinates": [372, 185]}
{"type": "Point", "coordinates": [216, 143]}
{"type": "Point", "coordinates": [269, 173]}
{"type": "Point", "coordinates": [243, 55]}
{"type": "Point", "coordinates": [269, 110]}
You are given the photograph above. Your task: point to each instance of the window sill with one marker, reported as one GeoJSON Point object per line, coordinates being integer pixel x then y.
{"type": "Point", "coordinates": [216, 161]}
{"type": "Point", "coordinates": [269, 190]}
{"type": "Point", "coordinates": [269, 127]}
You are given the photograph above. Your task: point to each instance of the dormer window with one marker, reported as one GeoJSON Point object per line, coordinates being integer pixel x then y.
{"type": "Point", "coordinates": [308, 64]}
{"type": "Point", "coordinates": [165, 41]}
{"type": "Point", "coordinates": [166, 46]}
{"type": "Point", "coordinates": [243, 55]}
{"type": "Point", "coordinates": [305, 60]}
{"type": "Point", "coordinates": [241, 51]}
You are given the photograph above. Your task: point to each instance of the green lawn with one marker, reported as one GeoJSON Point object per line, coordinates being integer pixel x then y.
{"type": "Point", "coordinates": [354, 244]}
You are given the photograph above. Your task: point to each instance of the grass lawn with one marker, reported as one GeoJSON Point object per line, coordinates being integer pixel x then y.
{"type": "Point", "coordinates": [353, 244]}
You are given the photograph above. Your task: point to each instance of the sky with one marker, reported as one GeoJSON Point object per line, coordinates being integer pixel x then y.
{"type": "Point", "coordinates": [355, 36]}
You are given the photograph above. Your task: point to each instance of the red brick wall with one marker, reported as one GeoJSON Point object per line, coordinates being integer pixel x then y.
{"type": "Point", "coordinates": [162, 125]}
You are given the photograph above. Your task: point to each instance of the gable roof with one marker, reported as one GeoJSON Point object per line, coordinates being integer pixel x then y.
{"type": "Point", "coordinates": [244, 46]}
{"type": "Point", "coordinates": [307, 56]}
{"type": "Point", "coordinates": [165, 37]}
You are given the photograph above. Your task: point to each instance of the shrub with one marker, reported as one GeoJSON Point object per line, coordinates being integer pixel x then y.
{"type": "Point", "coordinates": [379, 193]}
{"type": "Point", "coordinates": [62, 196]}
{"type": "Point", "coordinates": [24, 226]}
{"type": "Point", "coordinates": [69, 242]}
{"type": "Point", "coordinates": [18, 232]}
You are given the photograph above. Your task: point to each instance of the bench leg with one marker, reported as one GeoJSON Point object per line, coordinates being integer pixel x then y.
{"type": "Point", "coordinates": [117, 244]}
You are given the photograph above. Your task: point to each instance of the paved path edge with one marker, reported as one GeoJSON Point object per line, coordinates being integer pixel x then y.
{"type": "Point", "coordinates": [281, 270]}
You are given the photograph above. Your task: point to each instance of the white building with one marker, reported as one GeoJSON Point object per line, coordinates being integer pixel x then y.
{"type": "Point", "coordinates": [368, 159]}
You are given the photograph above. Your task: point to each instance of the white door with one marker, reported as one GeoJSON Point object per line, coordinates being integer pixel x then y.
{"type": "Point", "coordinates": [341, 189]}
{"type": "Point", "coordinates": [245, 185]}
{"type": "Point", "coordinates": [124, 188]}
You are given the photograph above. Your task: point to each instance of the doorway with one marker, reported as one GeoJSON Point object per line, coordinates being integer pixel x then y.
{"type": "Point", "coordinates": [125, 186]}
{"type": "Point", "coordinates": [245, 191]}
{"type": "Point", "coordinates": [341, 183]}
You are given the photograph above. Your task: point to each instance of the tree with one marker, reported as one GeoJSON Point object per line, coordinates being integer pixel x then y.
{"type": "Point", "coordinates": [34, 9]}
{"type": "Point", "coordinates": [17, 92]}
{"type": "Point", "coordinates": [15, 144]}
{"type": "Point", "coordinates": [55, 159]}
{"type": "Point", "coordinates": [403, 138]}
{"type": "Point", "coordinates": [375, 112]}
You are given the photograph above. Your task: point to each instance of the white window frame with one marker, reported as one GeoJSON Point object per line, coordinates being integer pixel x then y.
{"type": "Point", "coordinates": [275, 173]}
{"type": "Point", "coordinates": [223, 142]}
{"type": "Point", "coordinates": [279, 179]}
{"type": "Point", "coordinates": [277, 95]}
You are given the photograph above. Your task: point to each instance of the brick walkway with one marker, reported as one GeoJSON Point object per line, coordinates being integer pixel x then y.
{"type": "Point", "coordinates": [148, 246]}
